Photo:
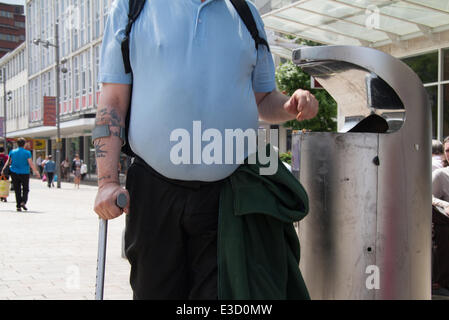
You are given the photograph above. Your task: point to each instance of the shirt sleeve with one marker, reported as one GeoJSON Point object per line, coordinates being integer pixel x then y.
{"type": "Point", "coordinates": [263, 76]}
{"type": "Point", "coordinates": [112, 69]}
{"type": "Point", "coordinates": [437, 189]}
{"type": "Point", "coordinates": [436, 186]}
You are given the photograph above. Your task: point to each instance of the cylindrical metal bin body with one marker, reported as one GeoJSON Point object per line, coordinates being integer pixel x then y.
{"type": "Point", "coordinates": [368, 232]}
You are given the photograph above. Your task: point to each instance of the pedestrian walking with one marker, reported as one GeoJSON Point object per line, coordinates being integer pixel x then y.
{"type": "Point", "coordinates": [65, 169]}
{"type": "Point", "coordinates": [49, 169]}
{"type": "Point", "coordinates": [218, 73]}
{"type": "Point", "coordinates": [44, 176]}
{"type": "Point", "coordinates": [39, 164]}
{"type": "Point", "coordinates": [20, 160]}
{"type": "Point", "coordinates": [3, 161]}
{"type": "Point", "coordinates": [76, 170]}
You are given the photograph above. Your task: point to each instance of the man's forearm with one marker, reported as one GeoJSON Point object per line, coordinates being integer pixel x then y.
{"type": "Point", "coordinates": [107, 149]}
{"type": "Point", "coordinates": [271, 108]}
{"type": "Point", "coordinates": [33, 167]}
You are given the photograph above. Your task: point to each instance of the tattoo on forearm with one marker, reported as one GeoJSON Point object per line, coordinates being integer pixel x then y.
{"type": "Point", "coordinates": [108, 115]}
{"type": "Point", "coordinates": [99, 152]}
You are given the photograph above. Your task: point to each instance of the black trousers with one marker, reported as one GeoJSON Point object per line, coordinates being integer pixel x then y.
{"type": "Point", "coordinates": [171, 235]}
{"type": "Point", "coordinates": [21, 184]}
{"type": "Point", "coordinates": [50, 176]}
{"type": "Point", "coordinates": [440, 248]}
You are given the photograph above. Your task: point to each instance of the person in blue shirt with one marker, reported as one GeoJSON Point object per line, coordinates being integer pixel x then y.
{"type": "Point", "coordinates": [194, 64]}
{"type": "Point", "coordinates": [49, 169]}
{"type": "Point", "coordinates": [20, 160]}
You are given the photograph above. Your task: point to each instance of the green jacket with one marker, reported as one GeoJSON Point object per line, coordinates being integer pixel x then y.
{"type": "Point", "coordinates": [258, 248]}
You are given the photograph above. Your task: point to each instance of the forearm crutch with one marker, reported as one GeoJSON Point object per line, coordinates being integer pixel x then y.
{"type": "Point", "coordinates": [121, 202]}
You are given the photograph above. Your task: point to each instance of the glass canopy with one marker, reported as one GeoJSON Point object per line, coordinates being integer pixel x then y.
{"type": "Point", "coordinates": [370, 23]}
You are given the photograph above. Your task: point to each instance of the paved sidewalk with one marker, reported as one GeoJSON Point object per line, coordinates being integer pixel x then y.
{"type": "Point", "coordinates": [50, 251]}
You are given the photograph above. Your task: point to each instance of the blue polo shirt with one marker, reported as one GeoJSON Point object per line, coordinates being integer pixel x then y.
{"type": "Point", "coordinates": [195, 69]}
{"type": "Point", "coordinates": [19, 161]}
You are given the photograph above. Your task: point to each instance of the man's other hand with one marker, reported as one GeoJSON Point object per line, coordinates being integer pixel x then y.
{"type": "Point", "coordinates": [302, 104]}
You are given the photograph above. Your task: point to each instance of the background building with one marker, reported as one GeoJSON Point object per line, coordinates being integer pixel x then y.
{"type": "Point", "coordinates": [12, 27]}
{"type": "Point", "coordinates": [14, 93]}
{"type": "Point", "coordinates": [81, 24]}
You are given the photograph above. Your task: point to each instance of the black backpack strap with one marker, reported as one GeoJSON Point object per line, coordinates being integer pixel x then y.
{"type": "Point", "coordinates": [246, 15]}
{"type": "Point", "coordinates": [135, 8]}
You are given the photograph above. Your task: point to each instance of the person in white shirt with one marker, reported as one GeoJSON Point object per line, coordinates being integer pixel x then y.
{"type": "Point", "coordinates": [440, 182]}
{"type": "Point", "coordinates": [440, 227]}
{"type": "Point", "coordinates": [39, 164]}
{"type": "Point", "coordinates": [438, 159]}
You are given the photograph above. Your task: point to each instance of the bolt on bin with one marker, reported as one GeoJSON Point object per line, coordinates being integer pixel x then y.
{"type": "Point", "coordinates": [368, 232]}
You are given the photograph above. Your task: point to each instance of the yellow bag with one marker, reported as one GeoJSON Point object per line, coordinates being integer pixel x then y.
{"type": "Point", "coordinates": [5, 184]}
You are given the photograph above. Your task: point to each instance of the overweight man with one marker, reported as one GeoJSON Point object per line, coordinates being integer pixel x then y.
{"type": "Point", "coordinates": [193, 61]}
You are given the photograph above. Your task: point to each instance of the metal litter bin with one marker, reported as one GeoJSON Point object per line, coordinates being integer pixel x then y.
{"type": "Point", "coordinates": [368, 233]}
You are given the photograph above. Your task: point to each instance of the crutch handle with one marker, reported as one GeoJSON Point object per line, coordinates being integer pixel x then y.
{"type": "Point", "coordinates": [122, 201]}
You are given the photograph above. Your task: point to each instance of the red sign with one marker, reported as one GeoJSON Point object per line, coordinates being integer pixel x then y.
{"type": "Point", "coordinates": [28, 144]}
{"type": "Point", "coordinates": [314, 84]}
{"type": "Point", "coordinates": [49, 111]}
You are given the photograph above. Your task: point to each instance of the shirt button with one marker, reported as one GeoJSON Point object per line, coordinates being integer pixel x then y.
{"type": "Point", "coordinates": [200, 21]}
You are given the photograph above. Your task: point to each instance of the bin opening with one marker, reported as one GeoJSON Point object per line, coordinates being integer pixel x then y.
{"type": "Point", "coordinates": [371, 124]}
{"type": "Point", "coordinates": [366, 103]}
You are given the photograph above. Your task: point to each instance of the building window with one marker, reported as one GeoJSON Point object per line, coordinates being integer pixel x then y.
{"type": "Point", "coordinates": [88, 21]}
{"type": "Point", "coordinates": [97, 14]}
{"type": "Point", "coordinates": [89, 71]}
{"type": "Point", "coordinates": [69, 87]}
{"type": "Point", "coordinates": [433, 100]}
{"type": "Point", "coordinates": [83, 74]}
{"type": "Point", "coordinates": [446, 110]}
{"type": "Point", "coordinates": [6, 14]}
{"type": "Point", "coordinates": [97, 67]}
{"type": "Point", "coordinates": [82, 23]}
{"type": "Point", "coordinates": [76, 79]}
{"type": "Point", "coordinates": [425, 66]}
{"type": "Point", "coordinates": [446, 64]}
{"type": "Point", "coordinates": [105, 11]}
{"type": "Point", "coordinates": [64, 87]}
{"type": "Point", "coordinates": [75, 31]}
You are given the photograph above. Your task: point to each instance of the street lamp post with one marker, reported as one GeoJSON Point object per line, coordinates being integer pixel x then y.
{"type": "Point", "coordinates": [7, 96]}
{"type": "Point", "coordinates": [47, 44]}
{"type": "Point", "coordinates": [58, 94]}
{"type": "Point", "coordinates": [4, 108]}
